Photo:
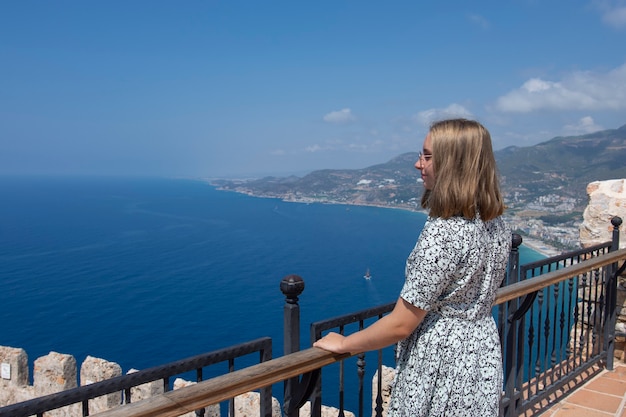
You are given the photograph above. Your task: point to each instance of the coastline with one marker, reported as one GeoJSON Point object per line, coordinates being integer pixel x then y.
{"type": "Point", "coordinates": [540, 246]}
{"type": "Point", "coordinates": [533, 243]}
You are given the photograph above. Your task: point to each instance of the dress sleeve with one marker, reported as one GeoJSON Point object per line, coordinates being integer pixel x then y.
{"type": "Point", "coordinates": [431, 266]}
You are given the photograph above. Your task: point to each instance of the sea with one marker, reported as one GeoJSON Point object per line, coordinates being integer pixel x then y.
{"type": "Point", "coordinates": [146, 271]}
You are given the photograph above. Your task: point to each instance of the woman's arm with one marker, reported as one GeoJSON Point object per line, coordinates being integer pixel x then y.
{"type": "Point", "coordinates": [393, 327]}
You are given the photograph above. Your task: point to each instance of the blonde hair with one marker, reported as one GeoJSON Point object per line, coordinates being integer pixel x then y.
{"type": "Point", "coordinates": [465, 170]}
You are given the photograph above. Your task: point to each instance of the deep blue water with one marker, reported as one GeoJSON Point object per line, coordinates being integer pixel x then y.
{"type": "Point", "coordinates": [146, 271]}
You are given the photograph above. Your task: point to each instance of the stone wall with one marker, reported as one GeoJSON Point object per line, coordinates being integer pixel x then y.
{"type": "Point", "coordinates": [57, 372]}
{"type": "Point", "coordinates": [607, 199]}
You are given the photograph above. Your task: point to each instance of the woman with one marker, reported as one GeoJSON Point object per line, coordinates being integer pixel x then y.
{"type": "Point", "coordinates": [448, 361]}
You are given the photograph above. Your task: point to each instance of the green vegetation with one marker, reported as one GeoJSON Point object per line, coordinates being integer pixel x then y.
{"type": "Point", "coordinates": [556, 219]}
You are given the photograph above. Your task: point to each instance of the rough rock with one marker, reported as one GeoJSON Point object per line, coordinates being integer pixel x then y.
{"type": "Point", "coordinates": [96, 370]}
{"type": "Point", "coordinates": [327, 411]}
{"type": "Point", "coordinates": [247, 405]}
{"type": "Point", "coordinates": [606, 200]}
{"type": "Point", "coordinates": [14, 374]}
{"type": "Point", "coordinates": [52, 373]}
{"type": "Point", "coordinates": [388, 374]}
{"type": "Point", "coordinates": [210, 411]}
{"type": "Point", "coordinates": [147, 390]}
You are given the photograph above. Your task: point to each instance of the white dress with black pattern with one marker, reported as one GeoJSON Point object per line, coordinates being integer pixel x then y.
{"type": "Point", "coordinates": [451, 365]}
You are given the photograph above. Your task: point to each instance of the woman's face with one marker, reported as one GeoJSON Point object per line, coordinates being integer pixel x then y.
{"type": "Point", "coordinates": [425, 164]}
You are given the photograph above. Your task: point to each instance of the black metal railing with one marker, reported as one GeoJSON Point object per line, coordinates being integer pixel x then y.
{"type": "Point", "coordinates": [359, 318]}
{"type": "Point", "coordinates": [559, 331]}
{"type": "Point", "coordinates": [556, 320]}
{"type": "Point", "coordinates": [548, 339]}
{"type": "Point", "coordinates": [125, 383]}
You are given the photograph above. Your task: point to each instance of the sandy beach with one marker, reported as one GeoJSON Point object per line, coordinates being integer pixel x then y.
{"type": "Point", "coordinates": [540, 246]}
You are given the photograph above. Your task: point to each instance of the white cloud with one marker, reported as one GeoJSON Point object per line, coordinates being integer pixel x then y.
{"type": "Point", "coordinates": [426, 117]}
{"type": "Point", "coordinates": [355, 145]}
{"type": "Point", "coordinates": [613, 12]}
{"type": "Point", "coordinates": [584, 125]}
{"type": "Point", "coordinates": [616, 18]}
{"type": "Point", "coordinates": [314, 148]}
{"type": "Point", "coordinates": [340, 116]}
{"type": "Point", "coordinates": [478, 20]}
{"type": "Point", "coordinates": [581, 90]}
{"type": "Point", "coordinates": [358, 147]}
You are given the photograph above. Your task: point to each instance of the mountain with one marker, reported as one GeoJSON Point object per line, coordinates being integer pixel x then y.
{"type": "Point", "coordinates": [551, 176]}
{"type": "Point", "coordinates": [563, 165]}
{"type": "Point", "coordinates": [394, 183]}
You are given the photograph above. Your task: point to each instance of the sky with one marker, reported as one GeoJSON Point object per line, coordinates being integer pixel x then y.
{"type": "Point", "coordinates": [253, 88]}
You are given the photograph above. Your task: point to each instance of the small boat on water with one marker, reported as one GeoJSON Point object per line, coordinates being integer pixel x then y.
{"type": "Point", "coordinates": [367, 274]}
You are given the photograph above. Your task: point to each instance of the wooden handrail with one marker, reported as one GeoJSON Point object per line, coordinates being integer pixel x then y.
{"type": "Point", "coordinates": [520, 289]}
{"type": "Point", "coordinates": [223, 387]}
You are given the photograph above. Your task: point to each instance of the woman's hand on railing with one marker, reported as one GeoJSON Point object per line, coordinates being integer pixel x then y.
{"type": "Point", "coordinates": [397, 325]}
{"type": "Point", "coordinates": [332, 342]}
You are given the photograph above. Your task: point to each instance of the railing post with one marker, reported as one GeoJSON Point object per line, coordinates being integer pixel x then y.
{"type": "Point", "coordinates": [611, 298]}
{"type": "Point", "coordinates": [509, 336]}
{"type": "Point", "coordinates": [291, 286]}
{"type": "Point", "coordinates": [513, 275]}
{"type": "Point", "coordinates": [616, 222]}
